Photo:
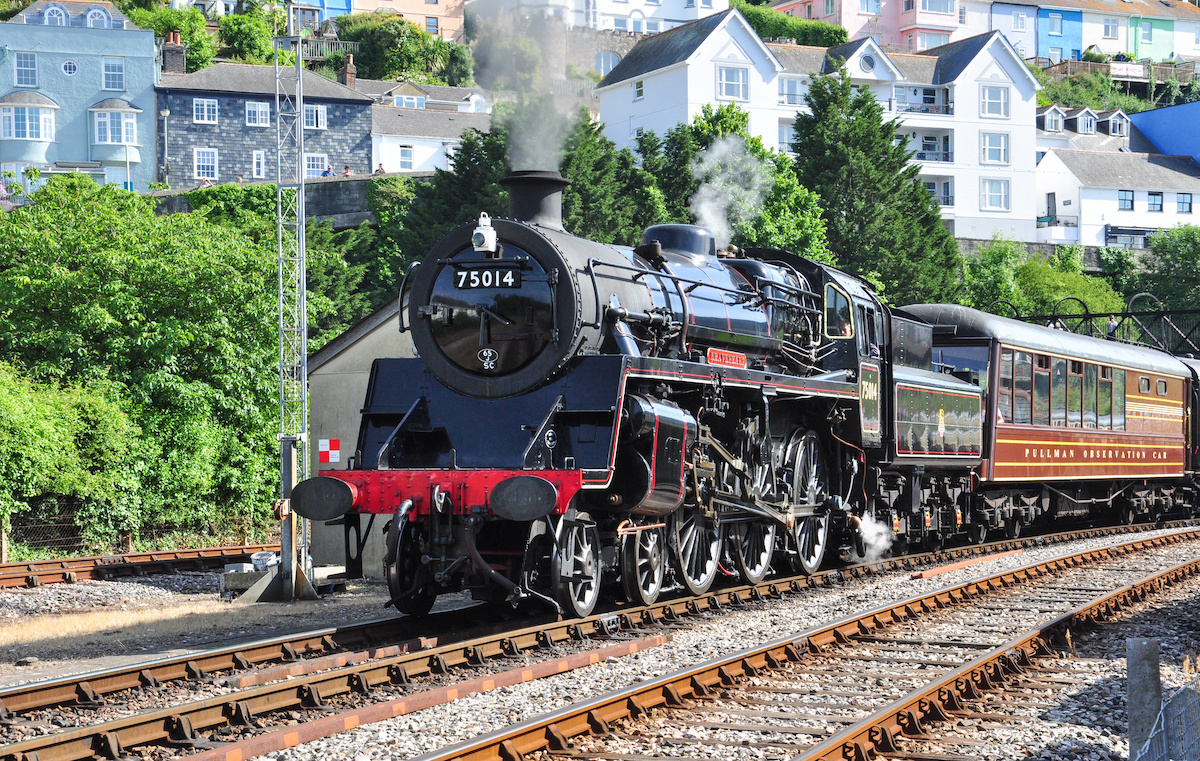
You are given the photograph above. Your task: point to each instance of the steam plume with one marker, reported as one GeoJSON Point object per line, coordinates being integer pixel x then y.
{"type": "Point", "coordinates": [877, 538]}
{"type": "Point", "coordinates": [733, 185]}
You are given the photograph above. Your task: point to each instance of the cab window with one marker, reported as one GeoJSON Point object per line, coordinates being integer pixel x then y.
{"type": "Point", "coordinates": [838, 322]}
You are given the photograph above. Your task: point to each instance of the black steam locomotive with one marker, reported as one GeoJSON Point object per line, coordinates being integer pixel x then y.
{"type": "Point", "coordinates": [583, 413]}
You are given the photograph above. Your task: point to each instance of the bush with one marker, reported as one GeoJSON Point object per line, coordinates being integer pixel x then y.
{"type": "Point", "coordinates": [190, 23]}
{"type": "Point", "coordinates": [770, 23]}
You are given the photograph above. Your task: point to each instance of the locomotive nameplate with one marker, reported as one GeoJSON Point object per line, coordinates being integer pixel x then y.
{"type": "Point", "coordinates": [726, 358]}
{"type": "Point", "coordinates": [469, 278]}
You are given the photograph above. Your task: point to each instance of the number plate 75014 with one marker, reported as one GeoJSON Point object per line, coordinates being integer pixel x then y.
{"type": "Point", "coordinates": [492, 277]}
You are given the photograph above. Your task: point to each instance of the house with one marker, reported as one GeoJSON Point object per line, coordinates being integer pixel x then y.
{"type": "Point", "coordinates": [1105, 198]}
{"type": "Point", "coordinates": [417, 139]}
{"type": "Point", "coordinates": [441, 18]}
{"type": "Point", "coordinates": [967, 108]}
{"type": "Point", "coordinates": [631, 16]}
{"type": "Point", "coordinates": [81, 93]}
{"type": "Point", "coordinates": [430, 97]}
{"type": "Point", "coordinates": [220, 125]}
{"type": "Point", "coordinates": [1170, 130]}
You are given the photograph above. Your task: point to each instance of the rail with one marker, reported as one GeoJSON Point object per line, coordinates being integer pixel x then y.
{"type": "Point", "coordinates": [37, 572]}
{"type": "Point", "coordinates": [316, 48]}
{"type": "Point", "coordinates": [1125, 71]}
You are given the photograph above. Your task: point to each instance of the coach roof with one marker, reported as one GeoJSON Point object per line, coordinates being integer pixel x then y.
{"type": "Point", "coordinates": [971, 323]}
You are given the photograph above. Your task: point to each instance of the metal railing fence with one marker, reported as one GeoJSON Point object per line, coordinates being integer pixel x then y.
{"type": "Point", "coordinates": [1176, 733]}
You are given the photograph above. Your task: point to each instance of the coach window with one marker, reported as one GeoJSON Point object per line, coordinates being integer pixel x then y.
{"type": "Point", "coordinates": [1089, 396]}
{"type": "Point", "coordinates": [1058, 393]}
{"type": "Point", "coordinates": [1004, 402]}
{"type": "Point", "coordinates": [1144, 384]}
{"type": "Point", "coordinates": [1075, 395]}
{"type": "Point", "coordinates": [1118, 422]}
{"type": "Point", "coordinates": [837, 314]}
{"type": "Point", "coordinates": [1023, 389]}
{"type": "Point", "coordinates": [1104, 403]}
{"type": "Point", "coordinates": [1041, 390]}
{"type": "Point", "coordinates": [1162, 388]}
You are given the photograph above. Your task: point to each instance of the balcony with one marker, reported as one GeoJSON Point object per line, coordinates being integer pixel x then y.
{"type": "Point", "coordinates": [1058, 229]}
{"type": "Point", "coordinates": [945, 157]}
{"type": "Point", "coordinates": [319, 48]}
{"type": "Point", "coordinates": [944, 200]}
{"type": "Point", "coordinates": [937, 109]}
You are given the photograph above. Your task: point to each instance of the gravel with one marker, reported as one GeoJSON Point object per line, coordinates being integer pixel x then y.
{"type": "Point", "coordinates": [88, 594]}
{"type": "Point", "coordinates": [428, 730]}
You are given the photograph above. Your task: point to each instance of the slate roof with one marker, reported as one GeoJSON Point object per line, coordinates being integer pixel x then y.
{"type": "Point", "coordinates": [1135, 171]}
{"type": "Point", "coordinates": [245, 79]}
{"type": "Point", "coordinates": [1173, 9]}
{"type": "Point", "coordinates": [664, 49]}
{"type": "Point", "coordinates": [917, 69]}
{"type": "Point", "coordinates": [1103, 116]}
{"type": "Point", "coordinates": [27, 98]}
{"type": "Point", "coordinates": [841, 53]}
{"type": "Point", "coordinates": [72, 7]}
{"type": "Point", "coordinates": [1075, 113]}
{"type": "Point", "coordinates": [953, 58]}
{"type": "Point", "coordinates": [1041, 110]}
{"type": "Point", "coordinates": [379, 88]}
{"type": "Point", "coordinates": [798, 59]}
{"type": "Point", "coordinates": [420, 122]}
{"type": "Point", "coordinates": [112, 103]}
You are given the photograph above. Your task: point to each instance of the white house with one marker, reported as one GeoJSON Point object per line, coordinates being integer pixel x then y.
{"type": "Point", "coordinates": [417, 139]}
{"type": "Point", "coordinates": [649, 16]}
{"type": "Point", "coordinates": [967, 108]}
{"type": "Point", "coordinates": [432, 97]}
{"type": "Point", "coordinates": [1081, 129]}
{"type": "Point", "coordinates": [1106, 198]}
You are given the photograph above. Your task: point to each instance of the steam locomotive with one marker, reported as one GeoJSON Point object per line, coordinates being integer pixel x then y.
{"type": "Point", "coordinates": [584, 415]}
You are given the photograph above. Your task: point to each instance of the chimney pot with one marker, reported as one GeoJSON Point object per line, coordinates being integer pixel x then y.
{"type": "Point", "coordinates": [174, 54]}
{"type": "Point", "coordinates": [348, 73]}
{"type": "Point", "coordinates": [535, 197]}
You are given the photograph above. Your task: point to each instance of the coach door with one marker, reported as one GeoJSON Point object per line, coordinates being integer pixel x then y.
{"type": "Point", "coordinates": [870, 376]}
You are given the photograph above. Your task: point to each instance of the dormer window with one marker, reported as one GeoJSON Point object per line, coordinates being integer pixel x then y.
{"type": "Point", "coordinates": [1118, 127]}
{"type": "Point", "coordinates": [1054, 122]}
{"type": "Point", "coordinates": [55, 17]}
{"type": "Point", "coordinates": [97, 19]}
{"type": "Point", "coordinates": [1087, 125]}
{"type": "Point", "coordinates": [410, 101]}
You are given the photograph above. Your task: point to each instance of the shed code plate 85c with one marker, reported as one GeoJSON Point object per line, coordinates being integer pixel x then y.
{"type": "Point", "coordinates": [487, 278]}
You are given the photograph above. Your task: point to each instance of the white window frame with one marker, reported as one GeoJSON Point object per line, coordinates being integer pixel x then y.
{"type": "Point", "coordinates": [962, 13]}
{"type": "Point", "coordinates": [70, 68]}
{"type": "Point", "coordinates": [30, 72]}
{"type": "Point", "coordinates": [925, 43]}
{"type": "Point", "coordinates": [993, 148]}
{"type": "Point", "coordinates": [869, 6]}
{"type": "Point", "coordinates": [1054, 25]}
{"type": "Point", "coordinates": [1147, 31]}
{"type": "Point", "coordinates": [985, 101]}
{"type": "Point", "coordinates": [320, 117]}
{"type": "Point", "coordinates": [95, 15]}
{"type": "Point", "coordinates": [410, 101]}
{"type": "Point", "coordinates": [621, 25]}
{"type": "Point", "coordinates": [787, 138]}
{"type": "Point", "coordinates": [37, 123]}
{"type": "Point", "coordinates": [204, 111]}
{"type": "Point", "coordinates": [313, 168]}
{"type": "Point", "coordinates": [1118, 127]}
{"type": "Point", "coordinates": [258, 113]}
{"type": "Point", "coordinates": [986, 195]}
{"type": "Point", "coordinates": [56, 13]}
{"type": "Point", "coordinates": [1054, 122]}
{"type": "Point", "coordinates": [1056, 55]}
{"type": "Point", "coordinates": [258, 165]}
{"type": "Point", "coordinates": [638, 23]}
{"type": "Point", "coordinates": [653, 26]}
{"type": "Point", "coordinates": [1086, 124]}
{"type": "Point", "coordinates": [828, 7]}
{"type": "Point", "coordinates": [1018, 21]}
{"type": "Point", "coordinates": [117, 74]}
{"type": "Point", "coordinates": [216, 164]}
{"type": "Point", "coordinates": [1111, 27]}
{"type": "Point", "coordinates": [935, 6]}
{"type": "Point", "coordinates": [639, 89]}
{"type": "Point", "coordinates": [410, 161]}
{"type": "Point", "coordinates": [741, 81]}
{"type": "Point", "coordinates": [787, 98]}
{"type": "Point", "coordinates": [126, 128]}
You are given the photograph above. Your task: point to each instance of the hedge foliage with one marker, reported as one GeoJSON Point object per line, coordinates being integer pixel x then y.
{"type": "Point", "coordinates": [770, 23]}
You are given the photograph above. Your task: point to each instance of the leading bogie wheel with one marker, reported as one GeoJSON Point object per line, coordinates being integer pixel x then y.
{"type": "Point", "coordinates": [407, 577]}
{"type": "Point", "coordinates": [805, 467]}
{"type": "Point", "coordinates": [576, 568]}
{"type": "Point", "coordinates": [753, 546]}
{"type": "Point", "coordinates": [697, 546]}
{"type": "Point", "coordinates": [643, 564]}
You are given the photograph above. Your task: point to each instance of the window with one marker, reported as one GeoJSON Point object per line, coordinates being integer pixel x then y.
{"type": "Point", "coordinates": [113, 127]}
{"type": "Point", "coordinates": [1147, 31]}
{"type": "Point", "coordinates": [994, 195]}
{"type": "Point", "coordinates": [1054, 122]}
{"type": "Point", "coordinates": [910, 42]}
{"type": "Point", "coordinates": [1089, 396]}
{"type": "Point", "coordinates": [868, 6]}
{"type": "Point", "coordinates": [1086, 124]}
{"type": "Point", "coordinates": [791, 91]}
{"type": "Point", "coordinates": [1075, 394]}
{"type": "Point", "coordinates": [1041, 390]}
{"type": "Point", "coordinates": [315, 117]}
{"type": "Point", "coordinates": [1056, 24]}
{"type": "Point", "coordinates": [1154, 201]}
{"type": "Point", "coordinates": [258, 113]}
{"type": "Point", "coordinates": [204, 163]}
{"type": "Point", "coordinates": [410, 101]}
{"type": "Point", "coordinates": [406, 158]}
{"type": "Point", "coordinates": [733, 82]}
{"type": "Point", "coordinates": [993, 101]}
{"type": "Point", "coordinates": [1110, 29]}
{"type": "Point", "coordinates": [1023, 389]}
{"type": "Point", "coordinates": [787, 137]}
{"type": "Point", "coordinates": [1118, 407]}
{"type": "Point", "coordinates": [1018, 21]}
{"type": "Point", "coordinates": [838, 323]}
{"type": "Point", "coordinates": [637, 24]}
{"type": "Point", "coordinates": [1058, 393]}
{"type": "Point", "coordinates": [1125, 200]}
{"type": "Point", "coordinates": [639, 90]}
{"type": "Point", "coordinates": [938, 6]}
{"type": "Point", "coordinates": [1056, 54]}
{"type": "Point", "coordinates": [70, 68]}
{"type": "Point", "coordinates": [97, 19]}
{"type": "Point", "coordinates": [909, 5]}
{"type": "Point", "coordinates": [1104, 400]}
{"type": "Point", "coordinates": [620, 24]}
{"type": "Point", "coordinates": [705, 3]}
{"type": "Point", "coordinates": [24, 123]}
{"type": "Point", "coordinates": [1118, 127]}
{"type": "Point", "coordinates": [114, 73]}
{"type": "Point", "coordinates": [1183, 203]}
{"type": "Point", "coordinates": [653, 26]}
{"type": "Point", "coordinates": [1162, 387]}
{"type": "Point", "coordinates": [204, 110]}
{"type": "Point", "coordinates": [929, 40]}
{"type": "Point", "coordinates": [962, 14]}
{"type": "Point", "coordinates": [604, 62]}
{"type": "Point", "coordinates": [315, 164]}
{"type": "Point", "coordinates": [1004, 401]}
{"type": "Point", "coordinates": [55, 17]}
{"type": "Point", "coordinates": [26, 69]}
{"type": "Point", "coordinates": [995, 148]}
{"type": "Point", "coordinates": [829, 8]}
{"type": "Point", "coordinates": [259, 170]}
{"type": "Point", "coordinates": [431, 25]}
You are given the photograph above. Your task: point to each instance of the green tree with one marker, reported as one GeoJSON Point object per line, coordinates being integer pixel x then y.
{"type": "Point", "coordinates": [247, 36]}
{"type": "Point", "coordinates": [190, 23]}
{"type": "Point", "coordinates": [1095, 90]}
{"type": "Point", "coordinates": [1171, 268]}
{"type": "Point", "coordinates": [770, 23]}
{"type": "Point", "coordinates": [880, 220]}
{"type": "Point", "coordinates": [990, 275]}
{"type": "Point", "coordinates": [392, 48]}
{"type": "Point", "coordinates": [1120, 268]}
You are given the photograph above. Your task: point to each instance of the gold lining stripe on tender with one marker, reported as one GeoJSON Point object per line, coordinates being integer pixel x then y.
{"type": "Point", "coordinates": [1155, 399]}
{"type": "Point", "coordinates": [1045, 443]}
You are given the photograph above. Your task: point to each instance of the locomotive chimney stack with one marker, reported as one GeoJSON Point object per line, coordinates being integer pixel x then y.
{"type": "Point", "coordinates": [535, 197]}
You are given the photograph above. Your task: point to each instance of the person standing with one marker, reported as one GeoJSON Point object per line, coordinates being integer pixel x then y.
{"type": "Point", "coordinates": [328, 171]}
{"type": "Point", "coordinates": [1110, 330]}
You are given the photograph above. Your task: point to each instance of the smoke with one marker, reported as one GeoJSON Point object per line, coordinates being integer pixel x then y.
{"type": "Point", "coordinates": [876, 538]}
{"type": "Point", "coordinates": [536, 134]}
{"type": "Point", "coordinates": [733, 185]}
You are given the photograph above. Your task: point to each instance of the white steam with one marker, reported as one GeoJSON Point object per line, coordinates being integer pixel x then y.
{"type": "Point", "coordinates": [733, 185]}
{"type": "Point", "coordinates": [876, 538]}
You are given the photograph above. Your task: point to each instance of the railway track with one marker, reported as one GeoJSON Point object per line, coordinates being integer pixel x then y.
{"type": "Point", "coordinates": [869, 686]}
{"type": "Point", "coordinates": [102, 567]}
{"type": "Point", "coordinates": [334, 675]}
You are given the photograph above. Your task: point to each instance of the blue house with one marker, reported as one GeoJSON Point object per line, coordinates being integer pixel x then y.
{"type": "Point", "coordinates": [220, 125]}
{"type": "Point", "coordinates": [78, 93]}
{"type": "Point", "coordinates": [1059, 34]}
{"type": "Point", "coordinates": [1018, 24]}
{"type": "Point", "coordinates": [1170, 130]}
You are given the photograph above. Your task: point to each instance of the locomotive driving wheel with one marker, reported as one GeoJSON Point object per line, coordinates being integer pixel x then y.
{"type": "Point", "coordinates": [407, 577]}
{"type": "Point", "coordinates": [804, 465]}
{"type": "Point", "coordinates": [697, 547]}
{"type": "Point", "coordinates": [575, 571]}
{"type": "Point", "coordinates": [643, 564]}
{"type": "Point", "coordinates": [753, 547]}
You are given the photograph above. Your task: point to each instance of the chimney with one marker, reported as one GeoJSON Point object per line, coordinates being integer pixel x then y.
{"type": "Point", "coordinates": [346, 74]}
{"type": "Point", "coordinates": [174, 54]}
{"type": "Point", "coordinates": [535, 197]}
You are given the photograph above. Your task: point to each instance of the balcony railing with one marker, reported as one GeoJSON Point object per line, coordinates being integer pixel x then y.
{"type": "Point", "coordinates": [317, 48]}
{"type": "Point", "coordinates": [941, 109]}
{"type": "Point", "coordinates": [945, 157]}
{"type": "Point", "coordinates": [791, 99]}
{"type": "Point", "coordinates": [944, 200]}
{"type": "Point", "coordinates": [1057, 220]}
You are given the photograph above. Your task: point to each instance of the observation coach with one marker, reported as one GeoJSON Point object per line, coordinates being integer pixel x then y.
{"type": "Point", "coordinates": [583, 413]}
